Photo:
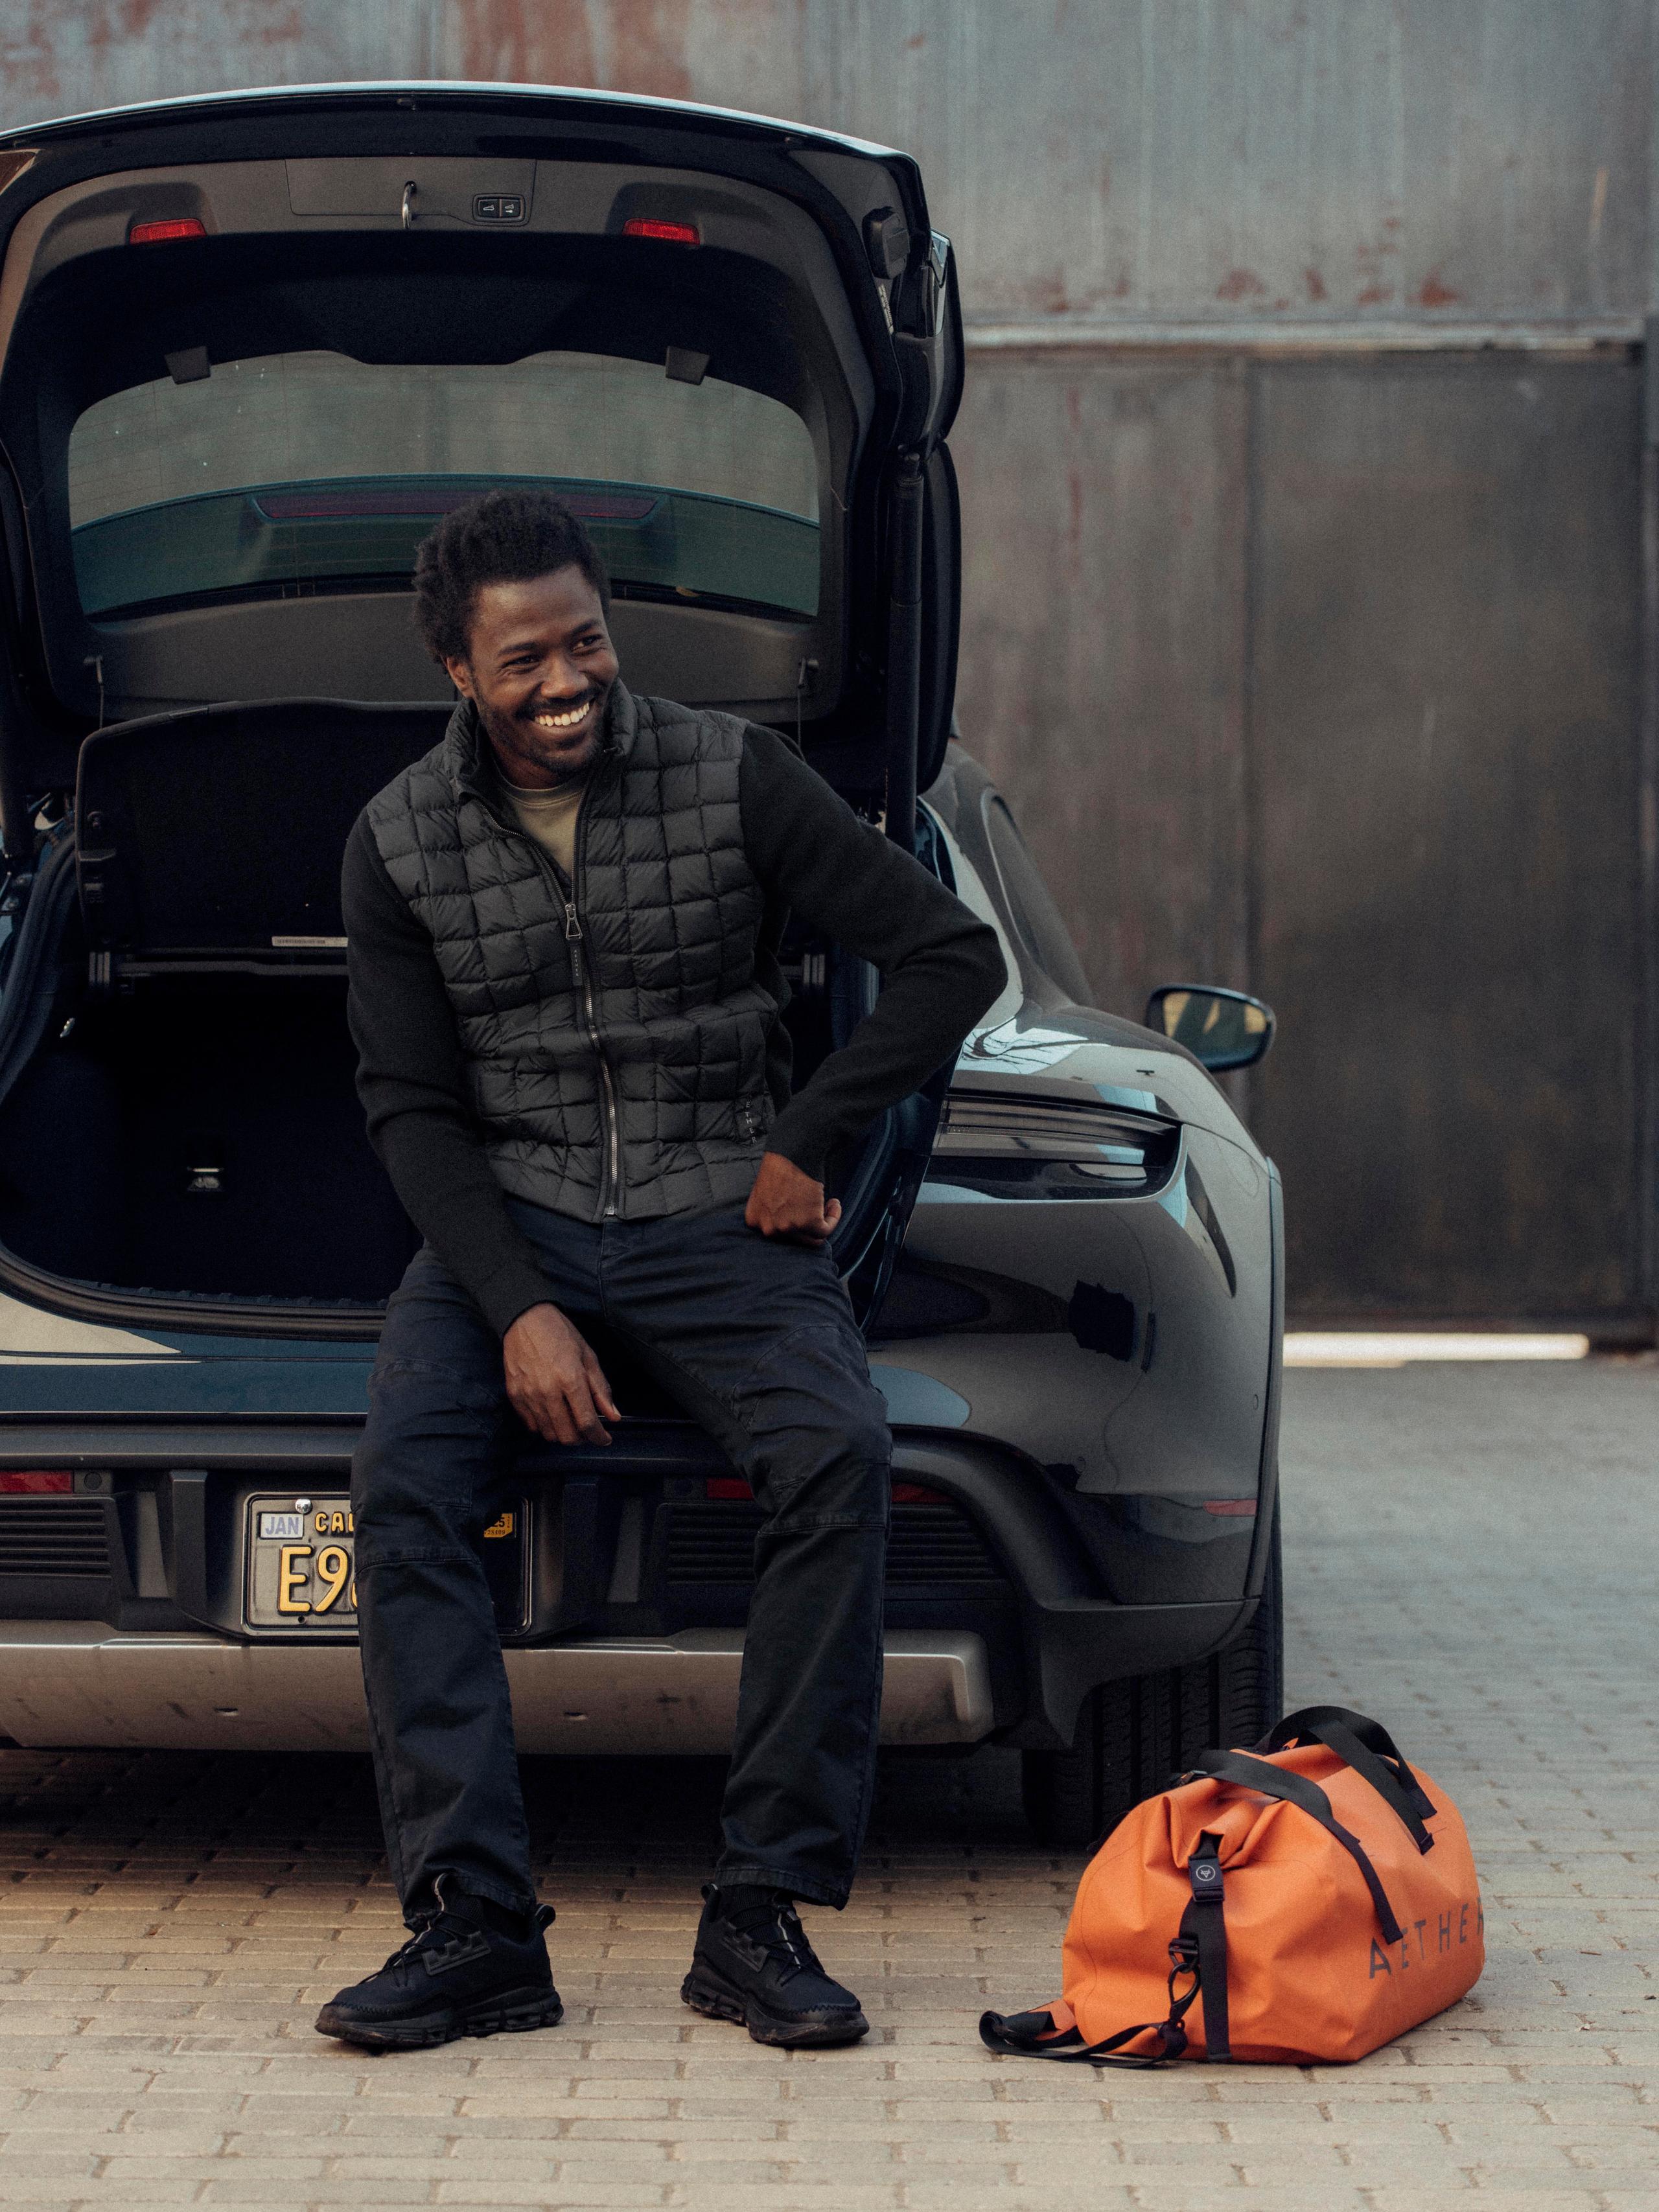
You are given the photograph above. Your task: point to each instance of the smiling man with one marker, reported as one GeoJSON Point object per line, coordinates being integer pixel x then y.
{"type": "Point", "coordinates": [565, 991]}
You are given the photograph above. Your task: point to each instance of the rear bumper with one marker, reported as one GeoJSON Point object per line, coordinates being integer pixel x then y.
{"type": "Point", "coordinates": [632, 1601]}
{"type": "Point", "coordinates": [65, 1682]}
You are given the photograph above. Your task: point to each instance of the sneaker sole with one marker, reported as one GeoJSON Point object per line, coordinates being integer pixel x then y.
{"type": "Point", "coordinates": [514, 2011]}
{"type": "Point", "coordinates": [716, 1998]}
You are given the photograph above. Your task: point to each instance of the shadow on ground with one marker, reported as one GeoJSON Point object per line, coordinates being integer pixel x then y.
{"type": "Point", "coordinates": [125, 1811]}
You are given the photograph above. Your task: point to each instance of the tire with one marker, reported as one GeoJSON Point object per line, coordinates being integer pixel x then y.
{"type": "Point", "coordinates": [1134, 1735]}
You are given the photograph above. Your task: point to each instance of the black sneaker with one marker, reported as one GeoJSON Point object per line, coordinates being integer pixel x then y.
{"type": "Point", "coordinates": [454, 1976]}
{"type": "Point", "coordinates": [754, 1964]}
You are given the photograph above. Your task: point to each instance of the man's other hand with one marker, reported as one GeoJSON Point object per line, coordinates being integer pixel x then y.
{"type": "Point", "coordinates": [786, 1202]}
{"type": "Point", "coordinates": [556, 1385]}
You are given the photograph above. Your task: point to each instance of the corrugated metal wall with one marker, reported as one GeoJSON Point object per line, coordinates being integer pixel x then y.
{"type": "Point", "coordinates": [1305, 667]}
{"type": "Point", "coordinates": [1126, 162]}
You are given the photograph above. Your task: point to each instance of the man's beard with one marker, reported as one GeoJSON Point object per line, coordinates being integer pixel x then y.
{"type": "Point", "coordinates": [519, 738]}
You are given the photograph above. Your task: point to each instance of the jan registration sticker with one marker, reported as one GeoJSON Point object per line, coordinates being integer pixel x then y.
{"type": "Point", "coordinates": [287, 1528]}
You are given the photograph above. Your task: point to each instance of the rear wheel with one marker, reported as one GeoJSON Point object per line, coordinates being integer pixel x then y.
{"type": "Point", "coordinates": [1133, 1736]}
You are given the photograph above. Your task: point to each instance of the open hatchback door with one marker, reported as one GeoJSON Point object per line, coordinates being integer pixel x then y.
{"type": "Point", "coordinates": [253, 349]}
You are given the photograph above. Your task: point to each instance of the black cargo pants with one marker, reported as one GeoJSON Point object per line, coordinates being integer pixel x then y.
{"type": "Point", "coordinates": [758, 1339]}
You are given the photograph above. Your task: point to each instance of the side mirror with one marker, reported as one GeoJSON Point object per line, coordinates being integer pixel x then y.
{"type": "Point", "coordinates": [1224, 1029]}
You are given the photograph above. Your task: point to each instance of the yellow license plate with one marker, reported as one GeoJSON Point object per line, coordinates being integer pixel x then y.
{"type": "Point", "coordinates": [302, 1562]}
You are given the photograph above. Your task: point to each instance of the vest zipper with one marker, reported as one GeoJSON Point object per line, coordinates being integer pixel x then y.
{"type": "Point", "coordinates": [611, 1167]}
{"type": "Point", "coordinates": [610, 1153]}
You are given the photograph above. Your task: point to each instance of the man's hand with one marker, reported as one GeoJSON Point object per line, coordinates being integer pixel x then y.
{"type": "Point", "coordinates": [786, 1202]}
{"type": "Point", "coordinates": [557, 1386]}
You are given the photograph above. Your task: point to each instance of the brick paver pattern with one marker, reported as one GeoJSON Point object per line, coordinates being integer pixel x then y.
{"type": "Point", "coordinates": [1469, 1554]}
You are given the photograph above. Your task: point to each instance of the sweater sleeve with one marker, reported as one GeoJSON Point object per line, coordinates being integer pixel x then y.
{"type": "Point", "coordinates": [941, 966]}
{"type": "Point", "coordinates": [409, 1080]}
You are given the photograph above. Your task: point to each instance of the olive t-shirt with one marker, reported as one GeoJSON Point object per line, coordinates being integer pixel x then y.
{"type": "Point", "coordinates": [549, 817]}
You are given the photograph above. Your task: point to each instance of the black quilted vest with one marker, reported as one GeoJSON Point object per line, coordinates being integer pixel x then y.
{"type": "Point", "coordinates": [614, 1033]}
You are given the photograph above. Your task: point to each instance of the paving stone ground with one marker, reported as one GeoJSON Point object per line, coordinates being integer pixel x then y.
{"type": "Point", "coordinates": [1470, 1553]}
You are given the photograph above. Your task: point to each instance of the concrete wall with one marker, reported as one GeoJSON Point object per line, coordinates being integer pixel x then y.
{"type": "Point", "coordinates": [1256, 609]}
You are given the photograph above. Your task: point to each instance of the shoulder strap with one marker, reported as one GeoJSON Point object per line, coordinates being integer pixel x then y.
{"type": "Point", "coordinates": [1248, 1773]}
{"type": "Point", "coordinates": [1367, 1746]}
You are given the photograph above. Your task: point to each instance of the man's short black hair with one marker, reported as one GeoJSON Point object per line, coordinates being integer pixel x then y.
{"type": "Point", "coordinates": [505, 537]}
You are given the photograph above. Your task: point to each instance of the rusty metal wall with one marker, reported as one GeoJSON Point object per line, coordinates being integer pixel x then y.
{"type": "Point", "coordinates": [60, 57]}
{"type": "Point", "coordinates": [1167, 161]}
{"type": "Point", "coordinates": [1225, 552]}
{"type": "Point", "coordinates": [1123, 162]}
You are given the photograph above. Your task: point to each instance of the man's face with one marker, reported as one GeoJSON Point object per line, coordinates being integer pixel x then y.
{"type": "Point", "coordinates": [539, 667]}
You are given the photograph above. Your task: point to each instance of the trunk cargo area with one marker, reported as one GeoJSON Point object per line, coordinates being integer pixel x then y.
{"type": "Point", "coordinates": [189, 1123]}
{"type": "Point", "coordinates": [202, 1133]}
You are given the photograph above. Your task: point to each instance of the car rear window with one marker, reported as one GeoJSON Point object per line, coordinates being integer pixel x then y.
{"type": "Point", "coordinates": [306, 469]}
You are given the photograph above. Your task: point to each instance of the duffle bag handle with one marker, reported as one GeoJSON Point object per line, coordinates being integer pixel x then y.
{"type": "Point", "coordinates": [1367, 1746]}
{"type": "Point", "coordinates": [1246, 1772]}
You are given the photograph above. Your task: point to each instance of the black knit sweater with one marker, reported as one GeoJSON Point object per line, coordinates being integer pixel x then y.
{"type": "Point", "coordinates": [812, 856]}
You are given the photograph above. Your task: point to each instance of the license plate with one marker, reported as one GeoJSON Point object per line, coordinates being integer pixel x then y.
{"type": "Point", "coordinates": [301, 1564]}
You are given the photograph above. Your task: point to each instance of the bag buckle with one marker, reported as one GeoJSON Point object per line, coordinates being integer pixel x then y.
{"type": "Point", "coordinates": [1204, 1872]}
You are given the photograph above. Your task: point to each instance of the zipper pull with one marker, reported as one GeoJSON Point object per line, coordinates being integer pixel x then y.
{"type": "Point", "coordinates": [573, 928]}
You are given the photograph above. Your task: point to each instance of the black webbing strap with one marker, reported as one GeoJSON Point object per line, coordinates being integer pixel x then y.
{"type": "Point", "coordinates": [1238, 1766]}
{"type": "Point", "coordinates": [1204, 1924]}
{"type": "Point", "coordinates": [1010, 2034]}
{"type": "Point", "coordinates": [1197, 1956]}
{"type": "Point", "coordinates": [1367, 1746]}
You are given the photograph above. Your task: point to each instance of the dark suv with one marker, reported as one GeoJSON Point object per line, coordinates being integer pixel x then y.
{"type": "Point", "coordinates": [252, 348]}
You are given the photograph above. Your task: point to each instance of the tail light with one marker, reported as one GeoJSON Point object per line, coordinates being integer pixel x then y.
{"type": "Point", "coordinates": [35, 1482]}
{"type": "Point", "coordinates": [1062, 1147]}
{"type": "Point", "coordinates": [671, 234]}
{"type": "Point", "coordinates": [153, 233]}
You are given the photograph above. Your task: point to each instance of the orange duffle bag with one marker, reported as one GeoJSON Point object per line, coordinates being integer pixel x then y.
{"type": "Point", "coordinates": [1310, 1901]}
